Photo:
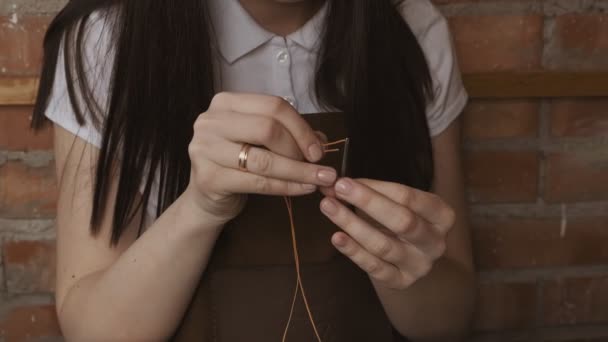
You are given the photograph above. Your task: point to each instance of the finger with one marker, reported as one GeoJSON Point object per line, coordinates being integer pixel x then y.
{"type": "Point", "coordinates": [279, 109]}
{"type": "Point", "coordinates": [233, 181]}
{"type": "Point", "coordinates": [254, 129]}
{"type": "Point", "coordinates": [377, 243]}
{"type": "Point", "coordinates": [413, 262]}
{"type": "Point", "coordinates": [322, 137]}
{"type": "Point", "coordinates": [328, 191]}
{"type": "Point", "coordinates": [266, 163]}
{"type": "Point", "coordinates": [428, 205]}
{"type": "Point", "coordinates": [400, 220]}
{"type": "Point", "coordinates": [376, 268]}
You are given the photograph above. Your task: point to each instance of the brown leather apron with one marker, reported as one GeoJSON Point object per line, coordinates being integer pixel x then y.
{"type": "Point", "coordinates": [246, 291]}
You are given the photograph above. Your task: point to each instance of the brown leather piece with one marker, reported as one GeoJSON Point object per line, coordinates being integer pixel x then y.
{"type": "Point", "coordinates": [245, 294]}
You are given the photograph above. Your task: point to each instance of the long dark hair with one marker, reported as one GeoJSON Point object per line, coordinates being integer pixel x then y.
{"type": "Point", "coordinates": [370, 66]}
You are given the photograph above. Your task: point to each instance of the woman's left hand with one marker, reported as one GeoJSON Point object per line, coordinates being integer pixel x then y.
{"type": "Point", "coordinates": [396, 232]}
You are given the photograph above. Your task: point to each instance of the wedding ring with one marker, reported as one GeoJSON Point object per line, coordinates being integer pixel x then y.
{"type": "Point", "coordinates": [243, 157]}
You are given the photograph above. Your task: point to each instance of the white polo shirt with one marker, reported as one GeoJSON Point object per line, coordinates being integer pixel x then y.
{"type": "Point", "coordinates": [252, 59]}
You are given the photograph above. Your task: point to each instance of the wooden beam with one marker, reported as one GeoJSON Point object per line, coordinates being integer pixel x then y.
{"type": "Point", "coordinates": [18, 91]}
{"type": "Point", "coordinates": [535, 84]}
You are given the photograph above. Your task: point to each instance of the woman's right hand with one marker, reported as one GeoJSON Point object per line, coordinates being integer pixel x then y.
{"type": "Point", "coordinates": [276, 166]}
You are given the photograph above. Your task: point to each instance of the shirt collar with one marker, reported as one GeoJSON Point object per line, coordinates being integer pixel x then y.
{"type": "Point", "coordinates": [308, 35]}
{"type": "Point", "coordinates": [237, 33]}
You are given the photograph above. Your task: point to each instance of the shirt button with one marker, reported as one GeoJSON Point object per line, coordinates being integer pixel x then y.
{"type": "Point", "coordinates": [291, 100]}
{"type": "Point", "coordinates": [282, 56]}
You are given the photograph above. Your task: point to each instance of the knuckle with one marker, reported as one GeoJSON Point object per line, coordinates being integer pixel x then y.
{"type": "Point", "coordinates": [271, 130]}
{"type": "Point", "coordinates": [199, 122]}
{"type": "Point", "coordinates": [276, 104]}
{"type": "Point", "coordinates": [404, 221]}
{"type": "Point", "coordinates": [382, 248]}
{"type": "Point", "coordinates": [440, 248]}
{"type": "Point", "coordinates": [450, 218]}
{"type": "Point", "coordinates": [374, 268]}
{"type": "Point", "coordinates": [261, 184]}
{"type": "Point", "coordinates": [290, 187]}
{"type": "Point", "coordinates": [282, 187]}
{"type": "Point", "coordinates": [193, 147]}
{"type": "Point", "coordinates": [204, 125]}
{"type": "Point", "coordinates": [424, 268]}
{"type": "Point", "coordinates": [387, 277]}
{"type": "Point", "coordinates": [294, 188]}
{"type": "Point", "coordinates": [402, 282]}
{"type": "Point", "coordinates": [194, 150]}
{"type": "Point", "coordinates": [405, 196]}
{"type": "Point", "coordinates": [261, 161]}
{"type": "Point", "coordinates": [199, 144]}
{"type": "Point", "coordinates": [220, 99]}
{"type": "Point", "coordinates": [365, 198]}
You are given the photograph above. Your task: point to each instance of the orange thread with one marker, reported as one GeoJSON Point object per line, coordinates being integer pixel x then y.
{"type": "Point", "coordinates": [336, 142]}
{"type": "Point", "coordinates": [299, 286]}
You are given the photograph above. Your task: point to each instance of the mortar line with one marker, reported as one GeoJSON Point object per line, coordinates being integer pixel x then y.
{"type": "Point", "coordinates": [529, 275]}
{"type": "Point", "coordinates": [558, 333]}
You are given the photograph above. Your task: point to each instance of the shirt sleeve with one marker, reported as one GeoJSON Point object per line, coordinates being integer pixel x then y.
{"type": "Point", "coordinates": [433, 34]}
{"type": "Point", "coordinates": [97, 65]}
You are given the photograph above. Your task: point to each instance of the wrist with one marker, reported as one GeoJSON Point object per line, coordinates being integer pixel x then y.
{"type": "Point", "coordinates": [197, 220]}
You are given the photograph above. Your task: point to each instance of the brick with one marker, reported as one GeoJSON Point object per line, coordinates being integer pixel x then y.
{"type": "Point", "coordinates": [577, 176]}
{"type": "Point", "coordinates": [579, 42]}
{"type": "Point", "coordinates": [575, 301]}
{"type": "Point", "coordinates": [21, 43]}
{"type": "Point", "coordinates": [506, 42]}
{"type": "Point", "coordinates": [2, 273]}
{"type": "Point", "coordinates": [30, 266]}
{"type": "Point", "coordinates": [28, 323]}
{"type": "Point", "coordinates": [532, 243]}
{"type": "Point", "coordinates": [579, 117]}
{"type": "Point", "coordinates": [26, 191]}
{"type": "Point", "coordinates": [15, 132]}
{"type": "Point", "coordinates": [501, 176]}
{"type": "Point", "coordinates": [491, 119]}
{"type": "Point", "coordinates": [503, 306]}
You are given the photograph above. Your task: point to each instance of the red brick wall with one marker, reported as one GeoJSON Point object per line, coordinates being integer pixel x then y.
{"type": "Point", "coordinates": [537, 172]}
{"type": "Point", "coordinates": [537, 175]}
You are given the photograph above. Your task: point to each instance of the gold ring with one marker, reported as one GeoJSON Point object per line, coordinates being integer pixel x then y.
{"type": "Point", "coordinates": [243, 157]}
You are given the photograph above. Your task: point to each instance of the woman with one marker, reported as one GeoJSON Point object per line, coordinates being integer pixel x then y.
{"type": "Point", "coordinates": [157, 237]}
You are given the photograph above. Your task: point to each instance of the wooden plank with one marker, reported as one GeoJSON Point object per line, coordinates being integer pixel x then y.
{"type": "Point", "coordinates": [536, 84]}
{"type": "Point", "coordinates": [22, 91]}
{"type": "Point", "coordinates": [18, 90]}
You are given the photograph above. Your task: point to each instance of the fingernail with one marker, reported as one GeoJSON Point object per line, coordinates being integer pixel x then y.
{"type": "Point", "coordinates": [327, 176]}
{"type": "Point", "coordinates": [339, 241]}
{"type": "Point", "coordinates": [329, 207]}
{"type": "Point", "coordinates": [344, 187]}
{"type": "Point", "coordinates": [309, 187]}
{"type": "Point", "coordinates": [315, 152]}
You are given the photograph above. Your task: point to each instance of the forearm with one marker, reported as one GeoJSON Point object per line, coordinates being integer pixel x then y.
{"type": "Point", "coordinates": [144, 294]}
{"type": "Point", "coordinates": [437, 307]}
